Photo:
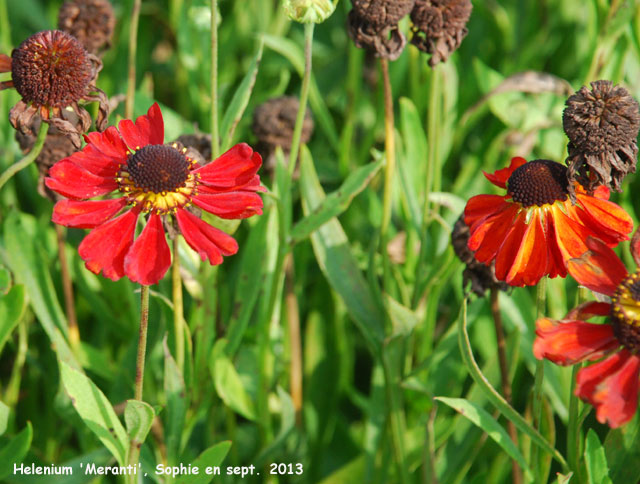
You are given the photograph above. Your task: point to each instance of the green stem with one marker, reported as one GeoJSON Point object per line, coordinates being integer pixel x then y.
{"type": "Point", "coordinates": [178, 307]}
{"type": "Point", "coordinates": [539, 375]}
{"type": "Point", "coordinates": [67, 287]}
{"type": "Point", "coordinates": [396, 417]}
{"type": "Point", "coordinates": [13, 388]}
{"type": "Point", "coordinates": [390, 152]}
{"type": "Point", "coordinates": [573, 430]}
{"type": "Point", "coordinates": [29, 158]}
{"type": "Point", "coordinates": [215, 133]}
{"type": "Point", "coordinates": [304, 96]}
{"type": "Point", "coordinates": [5, 28]}
{"type": "Point", "coordinates": [433, 136]}
{"type": "Point", "coordinates": [133, 47]}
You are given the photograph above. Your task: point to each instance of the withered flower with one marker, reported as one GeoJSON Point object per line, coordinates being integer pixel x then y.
{"type": "Point", "coordinates": [90, 21]}
{"type": "Point", "coordinates": [52, 71]}
{"type": "Point", "coordinates": [198, 146]}
{"type": "Point", "coordinates": [439, 27]}
{"type": "Point", "coordinates": [602, 126]}
{"type": "Point", "coordinates": [382, 13]}
{"type": "Point", "coordinates": [482, 277]}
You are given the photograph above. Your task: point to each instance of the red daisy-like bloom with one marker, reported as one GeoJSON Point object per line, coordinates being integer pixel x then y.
{"type": "Point", "coordinates": [610, 385]}
{"type": "Point", "coordinates": [534, 229]}
{"type": "Point", "coordinates": [154, 180]}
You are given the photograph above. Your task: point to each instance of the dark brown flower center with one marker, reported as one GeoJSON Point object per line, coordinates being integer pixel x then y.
{"type": "Point", "coordinates": [158, 168]}
{"type": "Point", "coordinates": [625, 312]}
{"type": "Point", "coordinates": [51, 68]}
{"type": "Point", "coordinates": [538, 182]}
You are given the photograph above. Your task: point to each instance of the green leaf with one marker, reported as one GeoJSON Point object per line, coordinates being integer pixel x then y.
{"type": "Point", "coordinates": [228, 384]}
{"type": "Point", "coordinates": [622, 448]}
{"type": "Point", "coordinates": [96, 411]}
{"type": "Point", "coordinates": [403, 319]}
{"type": "Point", "coordinates": [596, 460]}
{"type": "Point", "coordinates": [4, 417]}
{"type": "Point", "coordinates": [331, 247]}
{"type": "Point", "coordinates": [240, 100]}
{"type": "Point", "coordinates": [138, 417]}
{"type": "Point", "coordinates": [335, 203]}
{"type": "Point", "coordinates": [212, 457]}
{"type": "Point", "coordinates": [5, 280]}
{"type": "Point", "coordinates": [15, 450]}
{"type": "Point", "coordinates": [564, 478]}
{"type": "Point", "coordinates": [480, 417]}
{"type": "Point", "coordinates": [287, 422]}
{"type": "Point", "coordinates": [12, 307]}
{"type": "Point", "coordinates": [177, 405]}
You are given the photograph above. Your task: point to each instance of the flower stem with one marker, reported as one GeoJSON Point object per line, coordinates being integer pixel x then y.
{"type": "Point", "coordinates": [390, 151]}
{"type": "Point", "coordinates": [215, 133]}
{"type": "Point", "coordinates": [295, 342]}
{"type": "Point", "coordinates": [504, 375]}
{"type": "Point", "coordinates": [178, 318]}
{"type": "Point", "coordinates": [67, 287]}
{"type": "Point", "coordinates": [142, 341]}
{"type": "Point", "coordinates": [29, 158]}
{"type": "Point", "coordinates": [133, 46]}
{"type": "Point", "coordinates": [539, 376]}
{"type": "Point", "coordinates": [304, 96]}
{"type": "Point", "coordinates": [573, 429]}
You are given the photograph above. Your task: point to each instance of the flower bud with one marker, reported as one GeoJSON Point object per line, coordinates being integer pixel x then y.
{"type": "Point", "coordinates": [307, 11]}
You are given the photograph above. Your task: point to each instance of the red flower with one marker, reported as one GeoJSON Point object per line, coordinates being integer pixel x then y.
{"type": "Point", "coordinates": [611, 385]}
{"type": "Point", "coordinates": [535, 228]}
{"type": "Point", "coordinates": [155, 180]}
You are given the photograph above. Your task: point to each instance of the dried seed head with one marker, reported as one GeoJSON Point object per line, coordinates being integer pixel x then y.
{"type": "Point", "coordinates": [51, 68]}
{"type": "Point", "coordinates": [386, 42]}
{"type": "Point", "coordinates": [382, 13]}
{"type": "Point", "coordinates": [198, 147]}
{"type": "Point", "coordinates": [90, 21]}
{"type": "Point", "coordinates": [602, 125]}
{"type": "Point", "coordinates": [481, 277]}
{"type": "Point", "coordinates": [274, 121]}
{"type": "Point", "coordinates": [538, 182]}
{"type": "Point", "coordinates": [439, 27]}
{"type": "Point", "coordinates": [625, 313]}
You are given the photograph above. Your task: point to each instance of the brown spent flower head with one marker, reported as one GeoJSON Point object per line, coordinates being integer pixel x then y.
{"type": "Point", "coordinates": [386, 42]}
{"type": "Point", "coordinates": [602, 125]}
{"type": "Point", "coordinates": [198, 146]}
{"type": "Point", "coordinates": [481, 277]}
{"type": "Point", "coordinates": [382, 13]}
{"type": "Point", "coordinates": [52, 71]}
{"type": "Point", "coordinates": [90, 21]}
{"type": "Point", "coordinates": [439, 27]}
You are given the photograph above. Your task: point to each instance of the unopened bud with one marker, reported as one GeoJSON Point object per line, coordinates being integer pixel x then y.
{"type": "Point", "coordinates": [309, 11]}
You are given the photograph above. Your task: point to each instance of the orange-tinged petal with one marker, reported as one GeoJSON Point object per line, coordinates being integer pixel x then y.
{"type": "Point", "coordinates": [607, 218]}
{"type": "Point", "coordinates": [611, 386]}
{"type": "Point", "coordinates": [568, 342]}
{"type": "Point", "coordinates": [510, 248]}
{"type": "Point", "coordinates": [481, 207]}
{"type": "Point", "coordinates": [487, 237]}
{"type": "Point", "coordinates": [86, 214]}
{"type": "Point", "coordinates": [531, 262]}
{"type": "Point", "coordinates": [598, 269]}
{"type": "Point", "coordinates": [588, 310]}
{"type": "Point", "coordinates": [500, 177]}
{"type": "Point", "coordinates": [149, 258]}
{"type": "Point", "coordinates": [569, 235]}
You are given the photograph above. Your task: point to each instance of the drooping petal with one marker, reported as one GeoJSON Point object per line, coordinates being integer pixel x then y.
{"type": "Point", "coordinates": [531, 262]}
{"type": "Point", "coordinates": [568, 342]}
{"type": "Point", "coordinates": [149, 258]}
{"type": "Point", "coordinates": [86, 214]}
{"type": "Point", "coordinates": [569, 235]}
{"type": "Point", "coordinates": [510, 247]}
{"type": "Point", "coordinates": [95, 162]}
{"type": "Point", "coordinates": [606, 218]}
{"type": "Point", "coordinates": [108, 143]}
{"type": "Point", "coordinates": [147, 130]}
{"type": "Point", "coordinates": [209, 242]}
{"type": "Point", "coordinates": [500, 177]}
{"type": "Point", "coordinates": [490, 234]}
{"type": "Point", "coordinates": [481, 207]}
{"type": "Point", "coordinates": [234, 168]}
{"type": "Point", "coordinates": [598, 269]}
{"type": "Point", "coordinates": [230, 205]}
{"type": "Point", "coordinates": [611, 386]}
{"type": "Point", "coordinates": [106, 246]}
{"type": "Point", "coordinates": [5, 63]}
{"type": "Point", "coordinates": [72, 181]}
{"type": "Point", "coordinates": [588, 310]}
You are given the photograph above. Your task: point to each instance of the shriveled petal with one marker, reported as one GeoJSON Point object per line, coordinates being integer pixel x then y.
{"type": "Point", "coordinates": [598, 269]}
{"type": "Point", "coordinates": [108, 142]}
{"type": "Point", "coordinates": [72, 181]}
{"type": "Point", "coordinates": [510, 247]}
{"type": "Point", "coordinates": [611, 386]}
{"type": "Point", "coordinates": [531, 261]}
{"type": "Point", "coordinates": [147, 130]}
{"type": "Point", "coordinates": [234, 168]}
{"type": "Point", "coordinates": [209, 242]}
{"type": "Point", "coordinates": [149, 257]}
{"type": "Point", "coordinates": [490, 234]}
{"type": "Point", "coordinates": [568, 342]}
{"type": "Point", "coordinates": [500, 177]}
{"type": "Point", "coordinates": [5, 63]}
{"type": "Point", "coordinates": [86, 214]}
{"type": "Point", "coordinates": [607, 218]}
{"type": "Point", "coordinates": [481, 207]}
{"type": "Point", "coordinates": [231, 205]}
{"type": "Point", "coordinates": [106, 246]}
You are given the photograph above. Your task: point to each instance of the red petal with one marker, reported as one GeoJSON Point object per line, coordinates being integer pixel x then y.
{"type": "Point", "coordinates": [209, 242]}
{"type": "Point", "coordinates": [500, 177]}
{"type": "Point", "coordinates": [86, 214]}
{"type": "Point", "coordinates": [568, 342]}
{"type": "Point", "coordinates": [5, 63]}
{"type": "Point", "coordinates": [231, 205]}
{"type": "Point", "coordinates": [599, 269]}
{"type": "Point", "coordinates": [233, 169]}
{"type": "Point", "coordinates": [95, 162]}
{"type": "Point", "coordinates": [606, 218]}
{"type": "Point", "coordinates": [148, 129]}
{"type": "Point", "coordinates": [509, 249]}
{"type": "Point", "coordinates": [149, 257]}
{"type": "Point", "coordinates": [531, 262]}
{"type": "Point", "coordinates": [588, 310]}
{"type": "Point", "coordinates": [108, 143]}
{"type": "Point", "coordinates": [569, 234]}
{"type": "Point", "coordinates": [490, 235]}
{"type": "Point", "coordinates": [105, 247]}
{"type": "Point", "coordinates": [612, 387]}
{"type": "Point", "coordinates": [481, 207]}
{"type": "Point", "coordinates": [72, 181]}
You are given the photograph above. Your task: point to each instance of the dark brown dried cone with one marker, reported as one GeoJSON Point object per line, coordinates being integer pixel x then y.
{"type": "Point", "coordinates": [382, 13]}
{"type": "Point", "coordinates": [439, 27]}
{"type": "Point", "coordinates": [386, 42]}
{"type": "Point", "coordinates": [56, 147]}
{"type": "Point", "coordinates": [481, 277]}
{"type": "Point", "coordinates": [198, 146]}
{"type": "Point", "coordinates": [602, 126]}
{"type": "Point", "coordinates": [90, 21]}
